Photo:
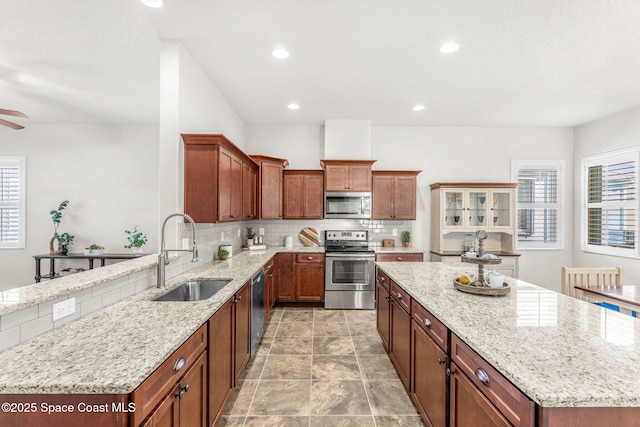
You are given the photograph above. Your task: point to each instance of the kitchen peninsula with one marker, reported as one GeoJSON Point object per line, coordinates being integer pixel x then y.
{"type": "Point", "coordinates": [556, 350]}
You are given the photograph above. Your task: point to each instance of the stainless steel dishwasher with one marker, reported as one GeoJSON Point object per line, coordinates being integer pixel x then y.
{"type": "Point", "coordinates": [257, 309]}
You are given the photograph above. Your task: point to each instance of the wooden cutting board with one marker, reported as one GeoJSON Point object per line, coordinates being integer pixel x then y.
{"type": "Point", "coordinates": [309, 236]}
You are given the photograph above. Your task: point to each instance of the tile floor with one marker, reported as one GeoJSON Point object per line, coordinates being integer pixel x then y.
{"type": "Point", "coordinates": [320, 368]}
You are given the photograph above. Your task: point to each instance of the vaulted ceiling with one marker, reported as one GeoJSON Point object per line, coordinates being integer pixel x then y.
{"type": "Point", "coordinates": [520, 63]}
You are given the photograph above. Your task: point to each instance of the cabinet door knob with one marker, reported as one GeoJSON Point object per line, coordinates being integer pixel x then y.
{"type": "Point", "coordinates": [441, 360]}
{"type": "Point", "coordinates": [450, 371]}
{"type": "Point", "coordinates": [179, 364]}
{"type": "Point", "coordinates": [185, 388]}
{"type": "Point", "coordinates": [427, 322]}
{"type": "Point", "coordinates": [399, 258]}
{"type": "Point", "coordinates": [482, 376]}
{"type": "Point", "coordinates": [398, 295]}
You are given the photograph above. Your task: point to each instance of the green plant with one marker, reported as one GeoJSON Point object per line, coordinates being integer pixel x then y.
{"type": "Point", "coordinates": [406, 236]}
{"type": "Point", "coordinates": [66, 239]}
{"type": "Point", "coordinates": [250, 233]}
{"type": "Point", "coordinates": [56, 215]}
{"type": "Point", "coordinates": [136, 238]}
{"type": "Point", "coordinates": [223, 253]}
{"type": "Point", "coordinates": [95, 247]}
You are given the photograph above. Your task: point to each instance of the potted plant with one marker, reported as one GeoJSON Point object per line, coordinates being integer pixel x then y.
{"type": "Point", "coordinates": [56, 217]}
{"type": "Point", "coordinates": [406, 238]}
{"type": "Point", "coordinates": [94, 250]}
{"type": "Point", "coordinates": [65, 240]}
{"type": "Point", "coordinates": [250, 236]}
{"type": "Point", "coordinates": [136, 239]}
{"type": "Point", "coordinates": [223, 254]}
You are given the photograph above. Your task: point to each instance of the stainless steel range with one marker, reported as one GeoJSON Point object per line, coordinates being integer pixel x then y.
{"type": "Point", "coordinates": [349, 278]}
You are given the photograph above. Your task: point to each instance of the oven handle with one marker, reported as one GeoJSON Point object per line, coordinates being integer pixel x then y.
{"type": "Point", "coordinates": [354, 258]}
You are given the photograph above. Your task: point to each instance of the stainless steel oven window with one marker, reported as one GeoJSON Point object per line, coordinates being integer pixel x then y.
{"type": "Point", "coordinates": [349, 272]}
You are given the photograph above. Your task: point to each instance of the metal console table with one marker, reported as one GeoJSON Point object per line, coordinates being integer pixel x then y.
{"type": "Point", "coordinates": [52, 260]}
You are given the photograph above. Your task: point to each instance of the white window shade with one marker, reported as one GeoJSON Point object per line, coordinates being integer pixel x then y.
{"type": "Point", "coordinates": [538, 204]}
{"type": "Point", "coordinates": [12, 206]}
{"type": "Point", "coordinates": [610, 192]}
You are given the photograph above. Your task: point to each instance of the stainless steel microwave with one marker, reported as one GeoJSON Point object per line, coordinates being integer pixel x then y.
{"type": "Point", "coordinates": [347, 205]}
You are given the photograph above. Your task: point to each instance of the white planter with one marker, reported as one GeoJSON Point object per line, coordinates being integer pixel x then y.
{"type": "Point", "coordinates": [94, 251]}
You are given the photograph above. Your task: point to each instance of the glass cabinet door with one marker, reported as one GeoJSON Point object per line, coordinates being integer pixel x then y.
{"type": "Point", "coordinates": [453, 206]}
{"type": "Point", "coordinates": [477, 212]}
{"type": "Point", "coordinates": [501, 209]}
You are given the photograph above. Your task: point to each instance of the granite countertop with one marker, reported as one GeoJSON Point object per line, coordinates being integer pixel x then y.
{"type": "Point", "coordinates": [560, 351]}
{"type": "Point", "coordinates": [113, 350]}
{"type": "Point", "coordinates": [398, 250]}
{"type": "Point", "coordinates": [459, 253]}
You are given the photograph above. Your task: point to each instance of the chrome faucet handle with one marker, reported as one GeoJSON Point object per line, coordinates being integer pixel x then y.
{"type": "Point", "coordinates": [195, 254]}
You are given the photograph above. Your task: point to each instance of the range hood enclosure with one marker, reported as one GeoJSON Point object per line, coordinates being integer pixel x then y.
{"type": "Point", "coordinates": [347, 139]}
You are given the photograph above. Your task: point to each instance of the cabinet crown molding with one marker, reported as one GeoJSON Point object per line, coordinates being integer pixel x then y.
{"type": "Point", "coordinates": [473, 185]}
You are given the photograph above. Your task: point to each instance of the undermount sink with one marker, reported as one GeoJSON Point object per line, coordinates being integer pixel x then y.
{"type": "Point", "coordinates": [195, 290]}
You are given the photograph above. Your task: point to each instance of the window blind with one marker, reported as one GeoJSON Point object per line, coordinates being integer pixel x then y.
{"type": "Point", "coordinates": [538, 205]}
{"type": "Point", "coordinates": [11, 202]}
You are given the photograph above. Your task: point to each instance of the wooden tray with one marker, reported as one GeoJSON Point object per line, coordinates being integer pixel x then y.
{"type": "Point", "coordinates": [309, 236]}
{"type": "Point", "coordinates": [478, 260]}
{"type": "Point", "coordinates": [482, 290]}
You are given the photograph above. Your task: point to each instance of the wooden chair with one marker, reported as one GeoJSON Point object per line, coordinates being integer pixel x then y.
{"type": "Point", "coordinates": [606, 276]}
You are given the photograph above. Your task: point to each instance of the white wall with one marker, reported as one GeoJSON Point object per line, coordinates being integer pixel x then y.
{"type": "Point", "coordinates": [443, 154]}
{"type": "Point", "coordinates": [107, 172]}
{"type": "Point", "coordinates": [609, 134]}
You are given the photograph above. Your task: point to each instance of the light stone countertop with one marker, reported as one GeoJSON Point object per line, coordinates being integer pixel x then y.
{"type": "Point", "coordinates": [560, 351]}
{"type": "Point", "coordinates": [113, 350]}
{"type": "Point", "coordinates": [398, 250]}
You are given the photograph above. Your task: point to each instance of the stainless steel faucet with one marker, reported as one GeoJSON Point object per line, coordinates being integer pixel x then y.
{"type": "Point", "coordinates": [163, 258]}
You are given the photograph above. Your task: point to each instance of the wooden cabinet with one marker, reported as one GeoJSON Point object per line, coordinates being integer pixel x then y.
{"type": "Point", "coordinates": [310, 277]}
{"type": "Point", "coordinates": [270, 183]}
{"type": "Point", "coordinates": [176, 388]}
{"type": "Point", "coordinates": [394, 195]}
{"type": "Point", "coordinates": [481, 396]}
{"type": "Point", "coordinates": [269, 286]}
{"type": "Point", "coordinates": [347, 175]}
{"type": "Point", "coordinates": [458, 209]}
{"type": "Point", "coordinates": [400, 257]}
{"type": "Point", "coordinates": [242, 329]}
{"type": "Point", "coordinates": [219, 180]}
{"type": "Point", "coordinates": [221, 359]}
{"type": "Point", "coordinates": [429, 381]}
{"type": "Point", "coordinates": [383, 308]}
{"type": "Point", "coordinates": [400, 332]}
{"type": "Point", "coordinates": [303, 194]}
{"type": "Point", "coordinates": [300, 278]}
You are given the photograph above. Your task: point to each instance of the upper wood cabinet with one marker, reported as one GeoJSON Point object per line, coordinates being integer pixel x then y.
{"type": "Point", "coordinates": [394, 195]}
{"type": "Point", "coordinates": [303, 194]}
{"type": "Point", "coordinates": [347, 175]}
{"type": "Point", "coordinates": [270, 186]}
{"type": "Point", "coordinates": [219, 180]}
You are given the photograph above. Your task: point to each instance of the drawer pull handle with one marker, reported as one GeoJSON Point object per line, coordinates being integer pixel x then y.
{"type": "Point", "coordinates": [482, 376]}
{"type": "Point", "coordinates": [441, 360]}
{"type": "Point", "coordinates": [427, 322]}
{"type": "Point", "coordinates": [398, 295]}
{"type": "Point", "coordinates": [179, 364]}
{"type": "Point", "coordinates": [399, 258]}
{"type": "Point", "coordinates": [183, 389]}
{"type": "Point", "coordinates": [450, 371]}
{"type": "Point", "coordinates": [309, 257]}
{"type": "Point", "coordinates": [388, 299]}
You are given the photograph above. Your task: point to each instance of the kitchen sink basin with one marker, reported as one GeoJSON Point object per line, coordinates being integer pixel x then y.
{"type": "Point", "coordinates": [195, 290]}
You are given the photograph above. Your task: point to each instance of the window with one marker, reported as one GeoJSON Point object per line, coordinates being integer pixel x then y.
{"type": "Point", "coordinates": [610, 203]}
{"type": "Point", "coordinates": [538, 203]}
{"type": "Point", "coordinates": [12, 205]}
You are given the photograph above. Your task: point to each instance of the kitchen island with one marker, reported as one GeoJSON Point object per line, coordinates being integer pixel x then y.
{"type": "Point", "coordinates": [575, 361]}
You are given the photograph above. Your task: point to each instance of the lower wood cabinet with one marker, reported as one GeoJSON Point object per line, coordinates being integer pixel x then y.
{"type": "Point", "coordinates": [221, 359]}
{"type": "Point", "coordinates": [269, 286]}
{"type": "Point", "coordinates": [300, 278]}
{"type": "Point", "coordinates": [383, 307]}
{"type": "Point", "coordinates": [400, 334]}
{"type": "Point", "coordinates": [242, 317]}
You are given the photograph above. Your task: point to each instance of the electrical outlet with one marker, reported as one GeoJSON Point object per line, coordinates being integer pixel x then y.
{"type": "Point", "coordinates": [238, 232]}
{"type": "Point", "coordinates": [261, 231]}
{"type": "Point", "coordinates": [222, 237]}
{"type": "Point", "coordinates": [64, 309]}
{"type": "Point", "coordinates": [185, 243]}
{"type": "Point", "coordinates": [394, 232]}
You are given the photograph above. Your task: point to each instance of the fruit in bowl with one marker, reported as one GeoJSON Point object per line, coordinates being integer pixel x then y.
{"type": "Point", "coordinates": [464, 279]}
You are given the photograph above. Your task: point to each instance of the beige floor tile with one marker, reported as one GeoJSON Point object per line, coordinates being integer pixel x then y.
{"type": "Point", "coordinates": [368, 345]}
{"type": "Point", "coordinates": [281, 397]}
{"type": "Point", "coordinates": [297, 315]}
{"type": "Point", "coordinates": [264, 347]}
{"type": "Point", "coordinates": [240, 398]}
{"type": "Point", "coordinates": [363, 328]}
{"type": "Point", "coordinates": [339, 398]}
{"type": "Point", "coordinates": [277, 421]}
{"type": "Point", "coordinates": [254, 367]}
{"type": "Point", "coordinates": [333, 329]}
{"type": "Point", "coordinates": [333, 345]}
{"type": "Point", "coordinates": [291, 345]}
{"type": "Point", "coordinates": [331, 367]}
{"type": "Point", "coordinates": [270, 329]}
{"type": "Point", "coordinates": [231, 421]}
{"type": "Point", "coordinates": [377, 367]}
{"type": "Point", "coordinates": [299, 329]}
{"type": "Point", "coordinates": [360, 315]}
{"type": "Point", "coordinates": [290, 367]}
{"type": "Point", "coordinates": [388, 397]}
{"type": "Point", "coordinates": [322, 315]}
{"type": "Point", "coordinates": [341, 421]}
{"type": "Point", "coordinates": [399, 421]}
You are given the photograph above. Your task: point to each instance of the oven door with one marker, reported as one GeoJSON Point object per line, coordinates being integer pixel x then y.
{"type": "Point", "coordinates": [349, 272]}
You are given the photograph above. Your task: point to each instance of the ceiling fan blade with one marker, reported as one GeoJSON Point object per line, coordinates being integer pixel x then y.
{"type": "Point", "coordinates": [10, 125]}
{"type": "Point", "coordinates": [13, 113]}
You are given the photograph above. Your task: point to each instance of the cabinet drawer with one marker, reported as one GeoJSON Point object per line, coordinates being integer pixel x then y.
{"type": "Point", "coordinates": [412, 257]}
{"type": "Point", "coordinates": [163, 379]}
{"type": "Point", "coordinates": [432, 326]}
{"type": "Point", "coordinates": [510, 401]}
{"type": "Point", "coordinates": [269, 266]}
{"type": "Point", "coordinates": [382, 279]}
{"type": "Point", "coordinates": [400, 296]}
{"type": "Point", "coordinates": [306, 258]}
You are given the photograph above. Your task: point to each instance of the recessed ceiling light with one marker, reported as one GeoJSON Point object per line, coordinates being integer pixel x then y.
{"type": "Point", "coordinates": [280, 53]}
{"type": "Point", "coordinates": [152, 3]}
{"type": "Point", "coordinates": [449, 47]}
{"type": "Point", "coordinates": [293, 106]}
{"type": "Point", "coordinates": [418, 108]}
